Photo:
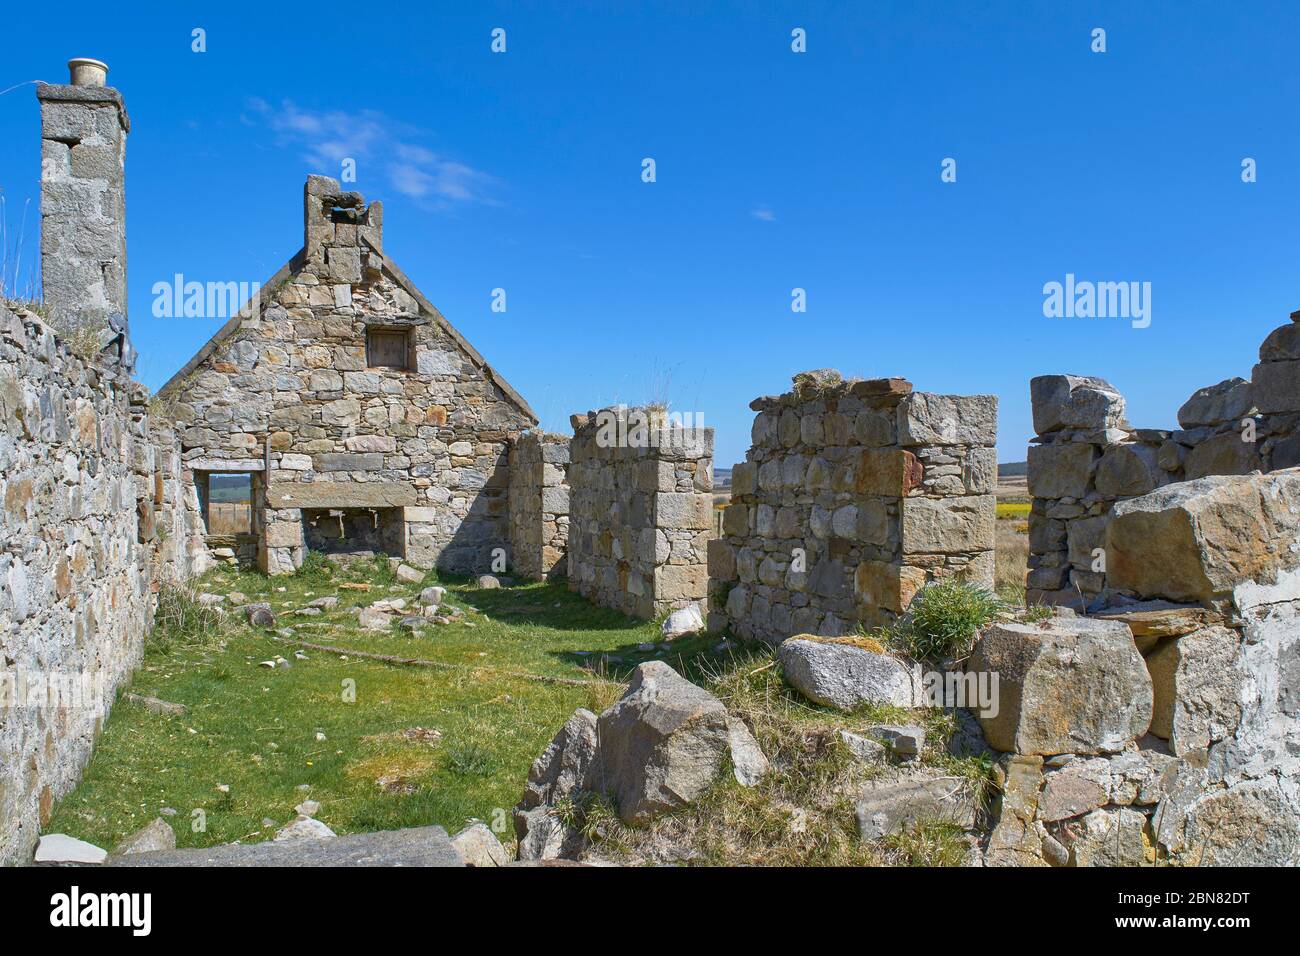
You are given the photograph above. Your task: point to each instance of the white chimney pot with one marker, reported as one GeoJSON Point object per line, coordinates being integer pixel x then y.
{"type": "Point", "coordinates": [87, 72]}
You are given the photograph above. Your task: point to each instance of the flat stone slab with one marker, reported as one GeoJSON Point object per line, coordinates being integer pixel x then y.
{"type": "Point", "coordinates": [415, 846]}
{"type": "Point", "coordinates": [340, 494]}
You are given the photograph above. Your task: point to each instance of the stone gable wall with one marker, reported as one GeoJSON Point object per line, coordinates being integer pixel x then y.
{"type": "Point", "coordinates": [539, 505]}
{"type": "Point", "coordinates": [640, 512]}
{"type": "Point", "coordinates": [290, 394]}
{"type": "Point", "coordinates": [97, 515]}
{"type": "Point", "coordinates": [852, 497]}
{"type": "Point", "coordinates": [1087, 457]}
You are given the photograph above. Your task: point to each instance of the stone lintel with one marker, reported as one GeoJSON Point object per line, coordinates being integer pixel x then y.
{"type": "Point", "coordinates": [226, 464]}
{"type": "Point", "coordinates": [340, 494]}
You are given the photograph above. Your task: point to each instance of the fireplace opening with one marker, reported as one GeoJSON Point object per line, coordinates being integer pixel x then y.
{"type": "Point", "coordinates": [355, 532]}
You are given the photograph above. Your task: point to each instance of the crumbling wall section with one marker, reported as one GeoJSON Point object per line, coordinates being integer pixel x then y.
{"type": "Point", "coordinates": [1165, 725]}
{"type": "Point", "coordinates": [95, 519]}
{"type": "Point", "coordinates": [852, 497]}
{"type": "Point", "coordinates": [640, 511]}
{"type": "Point", "coordinates": [1087, 457]}
{"type": "Point", "coordinates": [539, 505]}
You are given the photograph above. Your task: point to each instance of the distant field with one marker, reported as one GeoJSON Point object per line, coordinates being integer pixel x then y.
{"type": "Point", "coordinates": [1012, 488]}
{"type": "Point", "coordinates": [229, 488]}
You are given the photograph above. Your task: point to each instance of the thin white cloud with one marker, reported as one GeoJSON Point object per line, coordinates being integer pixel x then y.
{"type": "Point", "coordinates": [763, 213]}
{"type": "Point", "coordinates": [383, 148]}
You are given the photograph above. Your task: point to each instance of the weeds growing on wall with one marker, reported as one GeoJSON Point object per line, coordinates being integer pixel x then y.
{"type": "Point", "coordinates": [943, 620]}
{"type": "Point", "coordinates": [19, 280]}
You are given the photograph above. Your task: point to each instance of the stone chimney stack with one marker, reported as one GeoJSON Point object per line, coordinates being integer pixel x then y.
{"type": "Point", "coordinates": [335, 225]}
{"type": "Point", "coordinates": [83, 203]}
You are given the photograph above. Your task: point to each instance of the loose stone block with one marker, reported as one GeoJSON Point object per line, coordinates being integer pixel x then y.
{"type": "Point", "coordinates": [1074, 401]}
{"type": "Point", "coordinates": [1196, 539]}
{"type": "Point", "coordinates": [844, 676]}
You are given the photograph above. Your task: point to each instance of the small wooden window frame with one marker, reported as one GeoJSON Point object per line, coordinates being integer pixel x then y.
{"type": "Point", "coordinates": [388, 348]}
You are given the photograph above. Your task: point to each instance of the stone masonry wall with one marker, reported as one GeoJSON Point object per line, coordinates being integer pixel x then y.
{"type": "Point", "coordinates": [288, 390]}
{"type": "Point", "coordinates": [1086, 457]}
{"type": "Point", "coordinates": [96, 517]}
{"type": "Point", "coordinates": [640, 511]}
{"type": "Point", "coordinates": [539, 505]}
{"type": "Point", "coordinates": [1164, 725]}
{"type": "Point", "coordinates": [853, 496]}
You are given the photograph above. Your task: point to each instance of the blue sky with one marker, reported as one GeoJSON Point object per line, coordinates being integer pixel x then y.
{"type": "Point", "coordinates": [775, 170]}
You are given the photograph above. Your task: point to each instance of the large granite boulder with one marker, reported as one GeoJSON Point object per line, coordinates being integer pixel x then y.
{"type": "Point", "coordinates": [840, 675]}
{"type": "Point", "coordinates": [1196, 540]}
{"type": "Point", "coordinates": [478, 846]}
{"type": "Point", "coordinates": [1276, 386]}
{"type": "Point", "coordinates": [1223, 454]}
{"type": "Point", "coordinates": [567, 764]}
{"type": "Point", "coordinates": [666, 741]}
{"type": "Point", "coordinates": [1256, 823]}
{"type": "Point", "coordinates": [1061, 470]}
{"type": "Point", "coordinates": [1128, 469]}
{"type": "Point", "coordinates": [1067, 685]}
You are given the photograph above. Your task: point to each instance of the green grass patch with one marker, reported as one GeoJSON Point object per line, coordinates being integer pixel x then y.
{"type": "Point", "coordinates": [944, 618]}
{"type": "Point", "coordinates": [417, 746]}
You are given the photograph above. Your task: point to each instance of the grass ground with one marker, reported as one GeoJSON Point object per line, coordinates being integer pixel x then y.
{"type": "Point", "coordinates": [419, 745]}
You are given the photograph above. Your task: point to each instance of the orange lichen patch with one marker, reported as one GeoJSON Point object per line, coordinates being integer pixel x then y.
{"type": "Point", "coordinates": [853, 640]}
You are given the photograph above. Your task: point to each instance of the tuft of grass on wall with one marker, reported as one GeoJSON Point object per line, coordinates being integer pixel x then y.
{"type": "Point", "coordinates": [944, 618]}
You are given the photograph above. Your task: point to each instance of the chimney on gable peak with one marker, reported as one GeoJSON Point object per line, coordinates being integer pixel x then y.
{"type": "Point", "coordinates": [340, 230]}
{"type": "Point", "coordinates": [83, 203]}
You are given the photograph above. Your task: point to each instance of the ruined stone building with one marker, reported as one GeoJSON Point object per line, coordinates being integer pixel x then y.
{"type": "Point", "coordinates": [365, 421]}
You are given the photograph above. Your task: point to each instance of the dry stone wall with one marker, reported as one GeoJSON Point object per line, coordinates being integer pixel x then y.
{"type": "Point", "coordinates": [539, 505]}
{"type": "Point", "coordinates": [853, 496]}
{"type": "Point", "coordinates": [1087, 457]}
{"type": "Point", "coordinates": [640, 511]}
{"type": "Point", "coordinates": [96, 517]}
{"type": "Point", "coordinates": [1165, 725]}
{"type": "Point", "coordinates": [295, 391]}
